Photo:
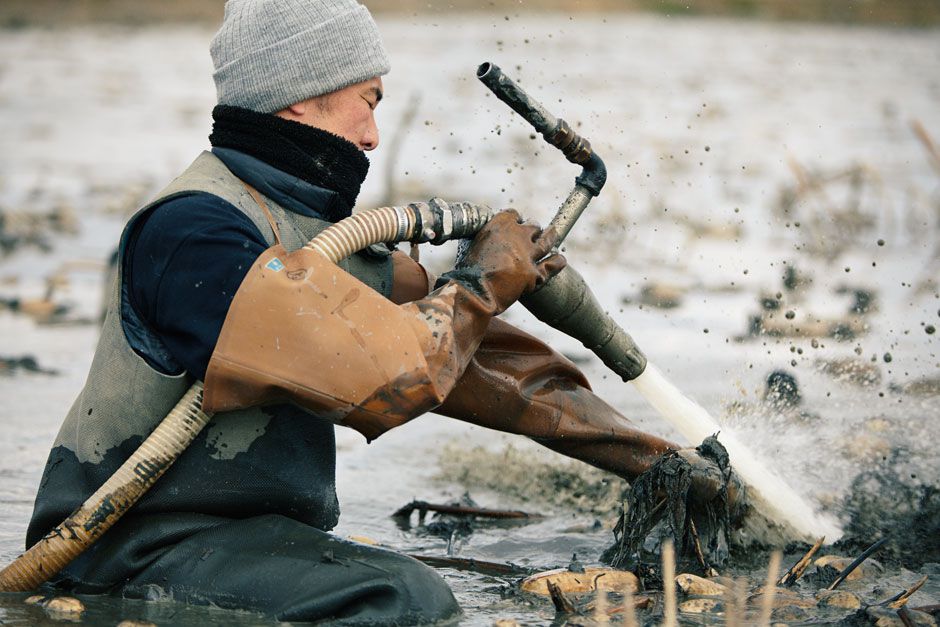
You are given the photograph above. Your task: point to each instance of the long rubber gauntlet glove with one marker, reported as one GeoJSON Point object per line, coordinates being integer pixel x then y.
{"type": "Point", "coordinates": [302, 330]}
{"type": "Point", "coordinates": [517, 384]}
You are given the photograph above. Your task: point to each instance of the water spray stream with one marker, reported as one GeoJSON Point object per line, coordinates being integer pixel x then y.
{"type": "Point", "coordinates": [768, 494]}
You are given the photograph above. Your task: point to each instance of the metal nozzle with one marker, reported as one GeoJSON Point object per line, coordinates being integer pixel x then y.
{"type": "Point", "coordinates": [566, 303]}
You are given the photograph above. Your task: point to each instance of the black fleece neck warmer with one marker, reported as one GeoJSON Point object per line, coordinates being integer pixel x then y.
{"type": "Point", "coordinates": [311, 154]}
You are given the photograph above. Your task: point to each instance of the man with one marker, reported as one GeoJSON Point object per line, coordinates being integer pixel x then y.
{"type": "Point", "coordinates": [241, 519]}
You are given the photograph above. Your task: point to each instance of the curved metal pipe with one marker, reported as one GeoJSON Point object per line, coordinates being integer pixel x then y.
{"type": "Point", "coordinates": [566, 302]}
{"type": "Point", "coordinates": [559, 134]}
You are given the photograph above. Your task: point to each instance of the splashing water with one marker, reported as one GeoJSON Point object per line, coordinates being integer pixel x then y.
{"type": "Point", "coordinates": [786, 512]}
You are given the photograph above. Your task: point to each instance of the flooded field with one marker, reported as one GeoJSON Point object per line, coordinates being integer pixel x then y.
{"type": "Point", "coordinates": [773, 205]}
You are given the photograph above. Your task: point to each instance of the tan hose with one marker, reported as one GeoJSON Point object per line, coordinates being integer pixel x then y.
{"type": "Point", "coordinates": [103, 508]}
{"type": "Point", "coordinates": [184, 422]}
{"type": "Point", "coordinates": [386, 224]}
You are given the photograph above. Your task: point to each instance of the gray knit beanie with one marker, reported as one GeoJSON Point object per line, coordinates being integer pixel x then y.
{"type": "Point", "coordinates": [270, 54]}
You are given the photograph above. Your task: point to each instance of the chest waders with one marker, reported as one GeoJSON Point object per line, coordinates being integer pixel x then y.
{"type": "Point", "coordinates": [435, 222]}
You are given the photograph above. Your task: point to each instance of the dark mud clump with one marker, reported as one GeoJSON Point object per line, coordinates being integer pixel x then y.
{"type": "Point", "coordinates": [889, 502]}
{"type": "Point", "coordinates": [662, 505]}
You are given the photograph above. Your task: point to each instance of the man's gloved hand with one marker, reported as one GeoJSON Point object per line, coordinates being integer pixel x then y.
{"type": "Point", "coordinates": [504, 261]}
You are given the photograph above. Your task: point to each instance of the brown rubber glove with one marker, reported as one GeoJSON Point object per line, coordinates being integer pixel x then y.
{"type": "Point", "coordinates": [505, 261]}
{"type": "Point", "coordinates": [516, 383]}
{"type": "Point", "coordinates": [495, 268]}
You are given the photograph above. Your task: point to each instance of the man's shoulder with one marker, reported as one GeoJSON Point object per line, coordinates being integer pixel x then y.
{"type": "Point", "coordinates": [195, 212]}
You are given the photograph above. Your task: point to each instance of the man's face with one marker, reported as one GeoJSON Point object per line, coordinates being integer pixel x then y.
{"type": "Point", "coordinates": [348, 112]}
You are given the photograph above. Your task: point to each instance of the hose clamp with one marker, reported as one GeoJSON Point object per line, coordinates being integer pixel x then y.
{"type": "Point", "coordinates": [402, 215]}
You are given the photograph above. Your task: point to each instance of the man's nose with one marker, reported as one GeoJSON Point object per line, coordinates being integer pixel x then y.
{"type": "Point", "coordinates": [370, 139]}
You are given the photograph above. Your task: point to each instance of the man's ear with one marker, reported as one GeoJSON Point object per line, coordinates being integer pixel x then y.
{"type": "Point", "coordinates": [297, 109]}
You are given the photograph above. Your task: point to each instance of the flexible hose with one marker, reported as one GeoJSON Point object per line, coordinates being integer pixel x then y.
{"type": "Point", "coordinates": [103, 508]}
{"type": "Point", "coordinates": [358, 231]}
{"type": "Point", "coordinates": [436, 221]}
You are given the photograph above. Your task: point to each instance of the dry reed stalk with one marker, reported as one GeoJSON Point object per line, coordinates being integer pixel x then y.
{"type": "Point", "coordinates": [601, 607]}
{"type": "Point", "coordinates": [669, 585]}
{"type": "Point", "coordinates": [906, 595]}
{"type": "Point", "coordinates": [734, 603]}
{"type": "Point", "coordinates": [796, 571]}
{"type": "Point", "coordinates": [629, 611]}
{"type": "Point", "coordinates": [928, 143]}
{"type": "Point", "coordinates": [770, 589]}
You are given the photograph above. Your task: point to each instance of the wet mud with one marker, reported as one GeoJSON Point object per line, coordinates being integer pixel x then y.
{"type": "Point", "coordinates": [895, 521]}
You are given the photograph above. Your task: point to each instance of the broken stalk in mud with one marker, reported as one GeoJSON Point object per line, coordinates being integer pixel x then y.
{"type": "Point", "coordinates": [796, 571]}
{"type": "Point", "coordinates": [928, 609]}
{"type": "Point", "coordinates": [424, 507]}
{"type": "Point", "coordinates": [905, 615]}
{"type": "Point", "coordinates": [901, 599]}
{"type": "Point", "coordinates": [697, 544]}
{"type": "Point", "coordinates": [562, 604]}
{"type": "Point", "coordinates": [856, 563]}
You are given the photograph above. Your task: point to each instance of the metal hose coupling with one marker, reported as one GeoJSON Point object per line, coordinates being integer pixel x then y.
{"type": "Point", "coordinates": [435, 221]}
{"type": "Point", "coordinates": [439, 221]}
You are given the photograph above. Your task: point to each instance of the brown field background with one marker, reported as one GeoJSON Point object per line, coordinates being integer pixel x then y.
{"type": "Point", "coordinates": [899, 13]}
